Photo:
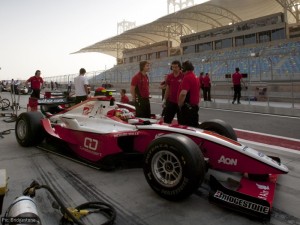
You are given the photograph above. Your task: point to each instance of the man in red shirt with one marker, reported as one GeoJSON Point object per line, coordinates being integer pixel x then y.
{"type": "Point", "coordinates": [36, 82]}
{"type": "Point", "coordinates": [170, 102]}
{"type": "Point", "coordinates": [140, 91]}
{"type": "Point", "coordinates": [206, 87]}
{"type": "Point", "coordinates": [236, 80]}
{"type": "Point", "coordinates": [189, 97]}
{"type": "Point", "coordinates": [124, 97]}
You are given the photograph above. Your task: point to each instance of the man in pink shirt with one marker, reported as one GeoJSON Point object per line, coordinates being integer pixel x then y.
{"type": "Point", "coordinates": [236, 80]}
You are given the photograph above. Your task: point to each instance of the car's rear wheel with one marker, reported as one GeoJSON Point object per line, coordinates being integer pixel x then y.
{"type": "Point", "coordinates": [219, 127]}
{"type": "Point", "coordinates": [174, 166]}
{"type": "Point", "coordinates": [29, 130]}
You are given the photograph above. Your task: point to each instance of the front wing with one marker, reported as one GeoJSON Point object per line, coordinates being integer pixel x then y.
{"type": "Point", "coordinates": [253, 198]}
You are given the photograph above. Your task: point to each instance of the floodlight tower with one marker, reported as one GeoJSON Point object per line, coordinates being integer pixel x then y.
{"type": "Point", "coordinates": [125, 25]}
{"type": "Point", "coordinates": [179, 4]}
{"type": "Point", "coordinates": [122, 27]}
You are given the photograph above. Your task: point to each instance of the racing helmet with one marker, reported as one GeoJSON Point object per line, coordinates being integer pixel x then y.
{"type": "Point", "coordinates": [124, 114]}
{"type": "Point", "coordinates": [100, 91]}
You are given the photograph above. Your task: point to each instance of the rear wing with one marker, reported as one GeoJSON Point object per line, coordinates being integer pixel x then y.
{"type": "Point", "coordinates": [54, 101]}
{"type": "Point", "coordinates": [55, 98]}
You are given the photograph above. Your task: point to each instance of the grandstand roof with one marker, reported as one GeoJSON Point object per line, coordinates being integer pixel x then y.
{"type": "Point", "coordinates": [205, 16]}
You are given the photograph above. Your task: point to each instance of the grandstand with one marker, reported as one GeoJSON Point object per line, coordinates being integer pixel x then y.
{"type": "Point", "coordinates": [261, 37]}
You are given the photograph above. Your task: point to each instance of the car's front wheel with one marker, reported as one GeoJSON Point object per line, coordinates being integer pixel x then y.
{"type": "Point", "coordinates": [29, 130]}
{"type": "Point", "coordinates": [174, 166]}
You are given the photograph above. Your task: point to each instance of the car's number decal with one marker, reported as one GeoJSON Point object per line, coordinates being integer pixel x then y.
{"type": "Point", "coordinates": [91, 144]}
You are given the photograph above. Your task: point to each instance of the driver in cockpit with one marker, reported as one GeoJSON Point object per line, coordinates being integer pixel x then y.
{"type": "Point", "coordinates": [124, 114]}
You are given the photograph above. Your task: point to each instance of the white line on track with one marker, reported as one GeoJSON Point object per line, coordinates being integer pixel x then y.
{"type": "Point", "coordinates": [276, 148]}
{"type": "Point", "coordinates": [264, 134]}
{"type": "Point", "coordinates": [255, 113]}
{"type": "Point", "coordinates": [269, 135]}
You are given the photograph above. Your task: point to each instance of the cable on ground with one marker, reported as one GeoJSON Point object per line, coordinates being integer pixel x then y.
{"type": "Point", "coordinates": [72, 215]}
{"type": "Point", "coordinates": [5, 132]}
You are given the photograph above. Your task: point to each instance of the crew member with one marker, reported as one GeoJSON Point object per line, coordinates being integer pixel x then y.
{"type": "Point", "coordinates": [81, 86]}
{"type": "Point", "coordinates": [237, 78]}
{"type": "Point", "coordinates": [189, 97]}
{"type": "Point", "coordinates": [207, 85]}
{"type": "Point", "coordinates": [124, 97]}
{"type": "Point", "coordinates": [140, 91]}
{"type": "Point", "coordinates": [35, 83]}
{"type": "Point", "coordinates": [170, 102]}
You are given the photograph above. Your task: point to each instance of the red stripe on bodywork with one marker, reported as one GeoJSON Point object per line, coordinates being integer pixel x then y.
{"type": "Point", "coordinates": [221, 137]}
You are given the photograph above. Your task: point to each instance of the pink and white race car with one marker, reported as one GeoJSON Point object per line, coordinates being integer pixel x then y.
{"type": "Point", "coordinates": [175, 159]}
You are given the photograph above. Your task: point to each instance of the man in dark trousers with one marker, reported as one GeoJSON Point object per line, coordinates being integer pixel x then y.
{"type": "Point", "coordinates": [189, 97]}
{"type": "Point", "coordinates": [35, 83]}
{"type": "Point", "coordinates": [236, 80]}
{"type": "Point", "coordinates": [81, 86]}
{"type": "Point", "coordinates": [206, 86]}
{"type": "Point", "coordinates": [69, 86]}
{"type": "Point", "coordinates": [140, 91]}
{"type": "Point", "coordinates": [170, 101]}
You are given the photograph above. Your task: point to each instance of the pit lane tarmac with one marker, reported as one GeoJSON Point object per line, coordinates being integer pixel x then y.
{"type": "Point", "coordinates": [128, 192]}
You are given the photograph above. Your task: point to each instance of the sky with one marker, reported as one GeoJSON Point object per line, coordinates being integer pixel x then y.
{"type": "Point", "coordinates": [42, 34]}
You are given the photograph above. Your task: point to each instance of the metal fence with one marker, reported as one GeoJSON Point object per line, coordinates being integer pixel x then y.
{"type": "Point", "coordinates": [276, 69]}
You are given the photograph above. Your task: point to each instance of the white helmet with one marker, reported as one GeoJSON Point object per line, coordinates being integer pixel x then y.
{"type": "Point", "coordinates": [124, 114]}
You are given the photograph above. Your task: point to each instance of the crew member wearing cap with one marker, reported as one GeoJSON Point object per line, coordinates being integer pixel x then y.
{"type": "Point", "coordinates": [189, 97]}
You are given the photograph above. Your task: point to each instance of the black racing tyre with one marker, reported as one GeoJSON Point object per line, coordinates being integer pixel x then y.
{"type": "Point", "coordinates": [44, 109]}
{"type": "Point", "coordinates": [219, 127]}
{"type": "Point", "coordinates": [174, 166]}
{"type": "Point", "coordinates": [29, 130]}
{"type": "Point", "coordinates": [5, 103]}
